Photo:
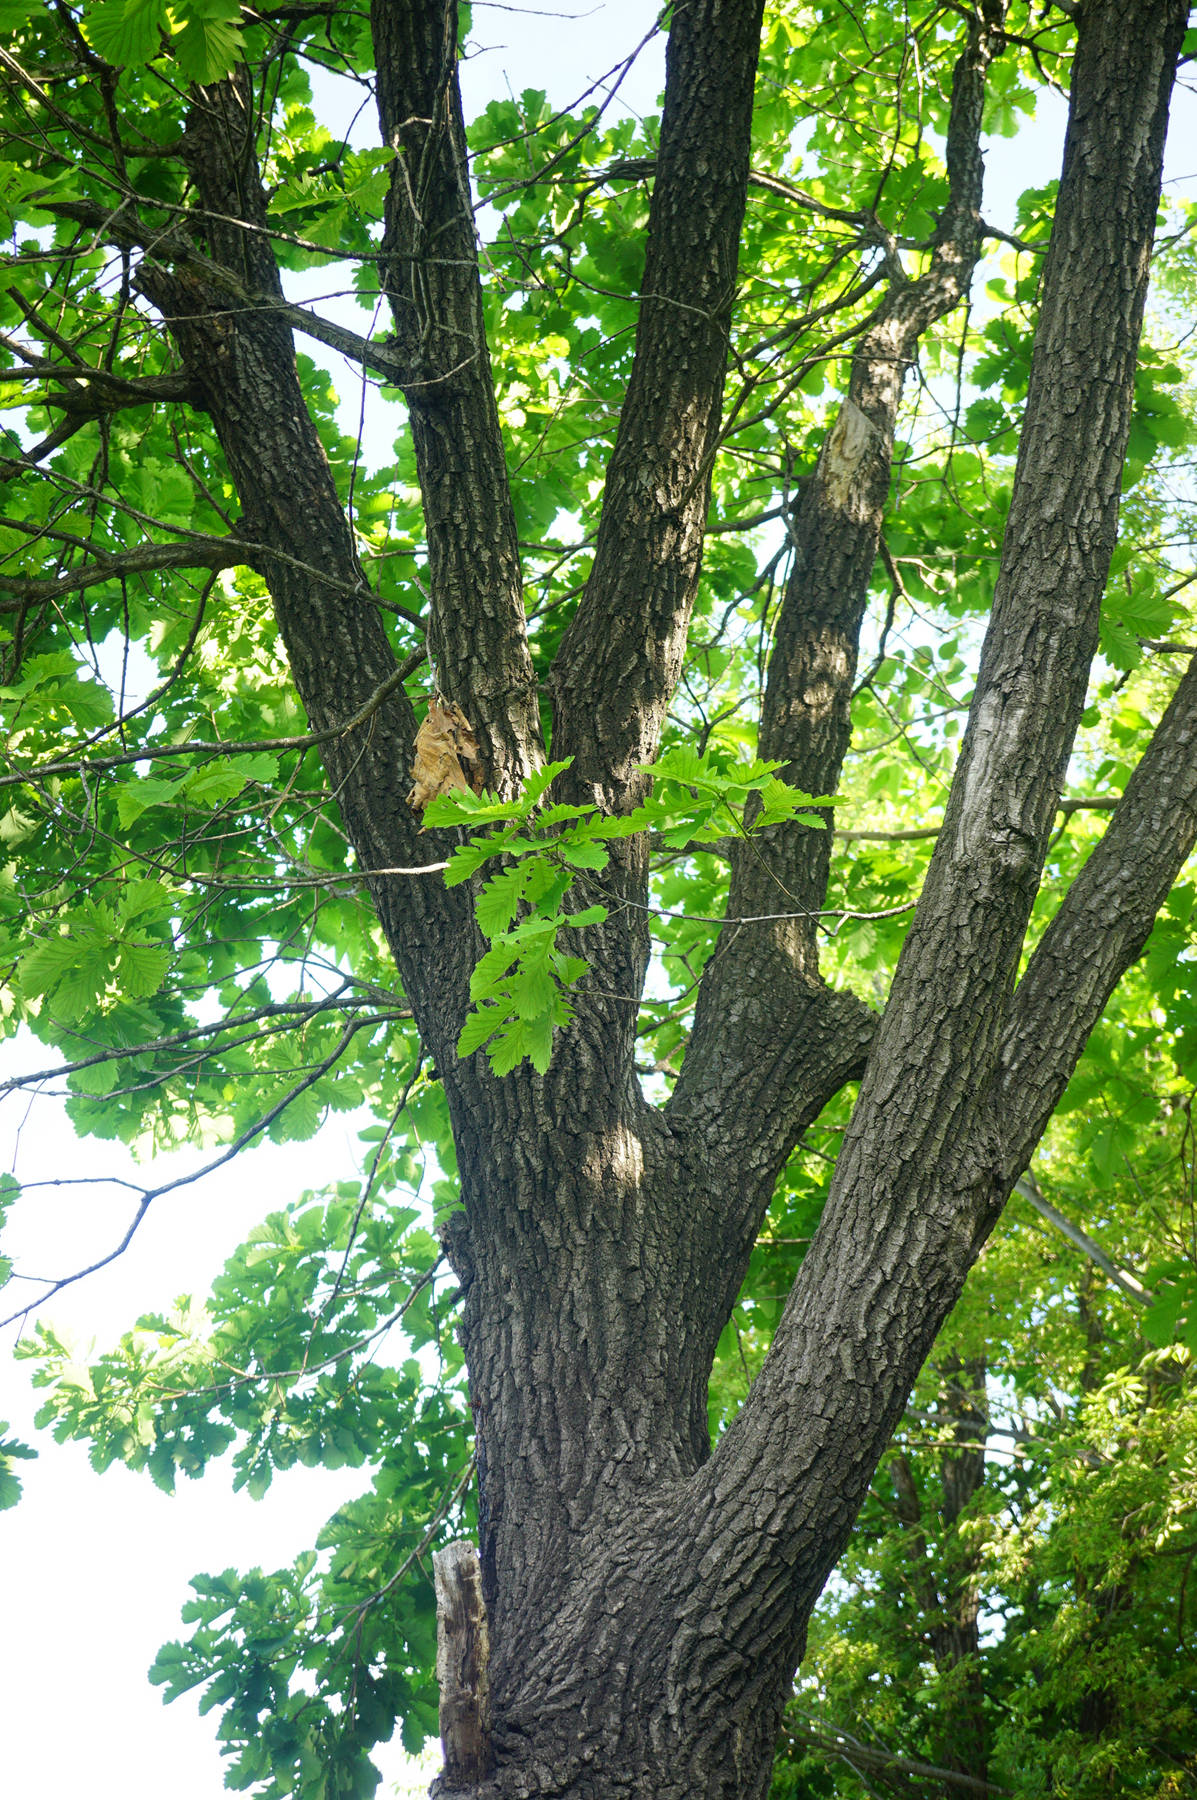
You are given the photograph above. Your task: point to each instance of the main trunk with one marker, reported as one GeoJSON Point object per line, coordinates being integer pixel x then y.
{"type": "Point", "coordinates": [589, 1325]}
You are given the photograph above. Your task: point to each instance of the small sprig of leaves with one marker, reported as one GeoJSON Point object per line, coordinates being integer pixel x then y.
{"type": "Point", "coordinates": [520, 987]}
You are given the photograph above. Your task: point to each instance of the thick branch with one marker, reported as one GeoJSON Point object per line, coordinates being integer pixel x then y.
{"type": "Point", "coordinates": [477, 634]}
{"type": "Point", "coordinates": [90, 392]}
{"type": "Point", "coordinates": [243, 359]}
{"type": "Point", "coordinates": [193, 553]}
{"type": "Point", "coordinates": [620, 658]}
{"type": "Point", "coordinates": [626, 641]}
{"type": "Point", "coordinates": [120, 225]}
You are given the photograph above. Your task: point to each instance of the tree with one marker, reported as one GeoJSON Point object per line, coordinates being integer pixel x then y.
{"type": "Point", "coordinates": [610, 1152]}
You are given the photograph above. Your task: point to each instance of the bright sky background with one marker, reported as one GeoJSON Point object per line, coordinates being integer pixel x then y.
{"type": "Point", "coordinates": [95, 1568]}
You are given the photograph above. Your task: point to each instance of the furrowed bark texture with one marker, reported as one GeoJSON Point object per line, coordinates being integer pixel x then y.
{"type": "Point", "coordinates": [696, 1589]}
{"type": "Point", "coordinates": [620, 660]}
{"type": "Point", "coordinates": [476, 633]}
{"type": "Point", "coordinates": [573, 1277]}
{"type": "Point", "coordinates": [574, 1272]}
{"type": "Point", "coordinates": [923, 1171]}
{"type": "Point", "coordinates": [240, 360]}
{"type": "Point", "coordinates": [1101, 926]}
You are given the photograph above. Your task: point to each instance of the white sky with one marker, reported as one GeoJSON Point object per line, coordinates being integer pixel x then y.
{"type": "Point", "coordinates": [96, 1567]}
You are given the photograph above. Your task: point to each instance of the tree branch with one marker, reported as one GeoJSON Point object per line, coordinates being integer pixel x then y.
{"type": "Point", "coordinates": [1100, 927]}
{"type": "Point", "coordinates": [836, 1743]}
{"type": "Point", "coordinates": [1027, 1188]}
{"type": "Point", "coordinates": [626, 640]}
{"type": "Point", "coordinates": [922, 1173]}
{"type": "Point", "coordinates": [149, 1195]}
{"type": "Point", "coordinates": [193, 553]}
{"type": "Point", "coordinates": [242, 357]}
{"type": "Point", "coordinates": [90, 391]}
{"type": "Point", "coordinates": [293, 1013]}
{"type": "Point", "coordinates": [477, 634]}
{"type": "Point", "coordinates": [99, 765]}
{"type": "Point", "coordinates": [121, 226]}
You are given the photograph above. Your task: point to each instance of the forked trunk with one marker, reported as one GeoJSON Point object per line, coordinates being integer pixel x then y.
{"type": "Point", "coordinates": [647, 1601]}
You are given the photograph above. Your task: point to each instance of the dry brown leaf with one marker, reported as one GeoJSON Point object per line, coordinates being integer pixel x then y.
{"type": "Point", "coordinates": [444, 742]}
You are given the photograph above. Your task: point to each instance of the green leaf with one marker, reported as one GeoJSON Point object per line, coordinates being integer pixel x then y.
{"type": "Point", "coordinates": [215, 783]}
{"type": "Point", "coordinates": [532, 989]}
{"type": "Point", "coordinates": [137, 795]}
{"type": "Point", "coordinates": [591, 915]}
{"type": "Point", "coordinates": [530, 1038]}
{"type": "Point", "coordinates": [498, 900]}
{"type": "Point", "coordinates": [126, 32]}
{"type": "Point", "coordinates": [44, 967]}
{"type": "Point", "coordinates": [11, 1450]}
{"type": "Point", "coordinates": [141, 968]}
{"type": "Point", "coordinates": [490, 969]}
{"type": "Point", "coordinates": [538, 784]}
{"type": "Point", "coordinates": [468, 858]}
{"type": "Point", "coordinates": [209, 44]}
{"type": "Point", "coordinates": [581, 855]}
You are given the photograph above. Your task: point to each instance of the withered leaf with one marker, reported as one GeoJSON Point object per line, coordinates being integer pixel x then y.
{"type": "Point", "coordinates": [444, 743]}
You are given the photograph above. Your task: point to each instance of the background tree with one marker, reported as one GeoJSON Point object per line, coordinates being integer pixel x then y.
{"type": "Point", "coordinates": [224, 914]}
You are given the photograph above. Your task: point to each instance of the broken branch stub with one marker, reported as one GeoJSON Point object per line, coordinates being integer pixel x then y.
{"type": "Point", "coordinates": [462, 1664]}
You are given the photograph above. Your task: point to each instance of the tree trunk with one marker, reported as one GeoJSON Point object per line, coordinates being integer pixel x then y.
{"type": "Point", "coordinates": [647, 1601]}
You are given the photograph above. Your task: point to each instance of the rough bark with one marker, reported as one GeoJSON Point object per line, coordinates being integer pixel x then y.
{"type": "Point", "coordinates": [626, 641]}
{"type": "Point", "coordinates": [476, 634]}
{"type": "Point", "coordinates": [924, 1167]}
{"type": "Point", "coordinates": [1101, 926]}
